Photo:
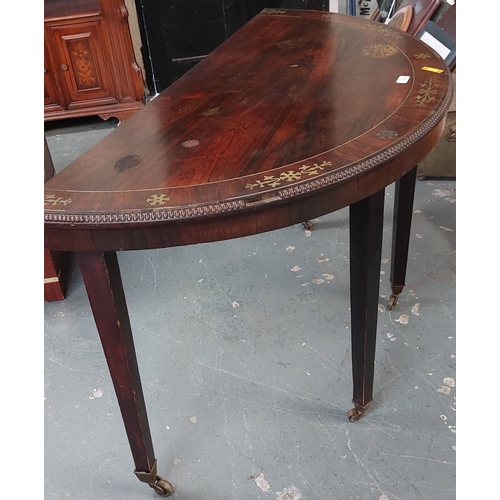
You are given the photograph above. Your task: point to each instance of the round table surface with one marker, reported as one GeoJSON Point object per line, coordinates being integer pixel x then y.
{"type": "Point", "coordinates": [299, 113]}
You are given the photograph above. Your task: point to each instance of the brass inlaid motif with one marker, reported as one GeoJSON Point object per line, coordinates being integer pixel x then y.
{"type": "Point", "coordinates": [327, 16]}
{"type": "Point", "coordinates": [51, 199]}
{"type": "Point", "coordinates": [158, 199]}
{"type": "Point", "coordinates": [386, 31]}
{"type": "Point", "coordinates": [210, 112]}
{"type": "Point", "coordinates": [273, 11]}
{"type": "Point", "coordinates": [291, 175]}
{"type": "Point", "coordinates": [427, 92]}
{"type": "Point", "coordinates": [421, 55]}
{"type": "Point", "coordinates": [386, 134]}
{"type": "Point", "coordinates": [380, 50]}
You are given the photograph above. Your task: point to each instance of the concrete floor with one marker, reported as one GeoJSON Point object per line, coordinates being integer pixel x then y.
{"type": "Point", "coordinates": [244, 353]}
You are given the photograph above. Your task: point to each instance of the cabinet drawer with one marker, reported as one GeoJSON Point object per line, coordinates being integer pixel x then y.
{"type": "Point", "coordinates": [52, 99]}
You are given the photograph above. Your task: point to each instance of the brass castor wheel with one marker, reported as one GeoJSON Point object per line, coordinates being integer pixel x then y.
{"type": "Point", "coordinates": [357, 412]}
{"type": "Point", "coordinates": [307, 225]}
{"type": "Point", "coordinates": [393, 300]}
{"type": "Point", "coordinates": [162, 487]}
{"type": "Point", "coordinates": [354, 415]}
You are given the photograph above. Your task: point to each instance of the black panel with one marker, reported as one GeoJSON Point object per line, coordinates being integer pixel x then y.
{"type": "Point", "coordinates": [181, 66]}
{"type": "Point", "coordinates": [156, 52]}
{"type": "Point", "coordinates": [176, 34]}
{"type": "Point", "coordinates": [235, 15]}
{"type": "Point", "coordinates": [194, 28]}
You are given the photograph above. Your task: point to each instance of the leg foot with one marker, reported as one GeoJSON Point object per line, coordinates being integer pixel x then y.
{"type": "Point", "coordinates": [357, 412]}
{"type": "Point", "coordinates": [162, 487]}
{"type": "Point", "coordinates": [307, 225]}
{"type": "Point", "coordinates": [393, 300]}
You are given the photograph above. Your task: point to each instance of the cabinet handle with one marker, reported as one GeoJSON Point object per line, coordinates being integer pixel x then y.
{"type": "Point", "coordinates": [64, 67]}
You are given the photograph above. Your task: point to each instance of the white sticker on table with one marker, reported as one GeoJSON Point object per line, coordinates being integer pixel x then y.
{"type": "Point", "coordinates": [403, 79]}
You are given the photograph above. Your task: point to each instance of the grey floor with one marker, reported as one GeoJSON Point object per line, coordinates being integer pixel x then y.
{"type": "Point", "coordinates": [244, 353]}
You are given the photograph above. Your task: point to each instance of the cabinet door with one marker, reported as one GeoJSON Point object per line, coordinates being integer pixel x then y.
{"type": "Point", "coordinates": [80, 55]}
{"type": "Point", "coordinates": [52, 100]}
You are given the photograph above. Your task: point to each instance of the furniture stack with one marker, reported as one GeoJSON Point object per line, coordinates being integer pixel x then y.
{"type": "Point", "coordinates": [434, 20]}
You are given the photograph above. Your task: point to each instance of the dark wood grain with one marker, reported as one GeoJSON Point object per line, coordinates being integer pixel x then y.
{"type": "Point", "coordinates": [101, 275]}
{"type": "Point", "coordinates": [401, 226]}
{"type": "Point", "coordinates": [281, 111]}
{"type": "Point", "coordinates": [366, 219]}
{"type": "Point", "coordinates": [57, 10]}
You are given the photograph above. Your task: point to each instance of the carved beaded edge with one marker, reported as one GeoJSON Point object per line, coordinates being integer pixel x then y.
{"type": "Point", "coordinates": [154, 215]}
{"type": "Point", "coordinates": [215, 208]}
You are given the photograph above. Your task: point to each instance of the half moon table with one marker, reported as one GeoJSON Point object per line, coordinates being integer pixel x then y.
{"type": "Point", "coordinates": [298, 114]}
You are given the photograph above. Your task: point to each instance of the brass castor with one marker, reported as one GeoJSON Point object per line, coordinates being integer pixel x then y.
{"type": "Point", "coordinates": [393, 300]}
{"type": "Point", "coordinates": [162, 487]}
{"type": "Point", "coordinates": [357, 412]}
{"type": "Point", "coordinates": [308, 225]}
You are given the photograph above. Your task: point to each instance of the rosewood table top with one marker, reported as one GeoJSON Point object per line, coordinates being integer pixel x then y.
{"type": "Point", "coordinates": [298, 114]}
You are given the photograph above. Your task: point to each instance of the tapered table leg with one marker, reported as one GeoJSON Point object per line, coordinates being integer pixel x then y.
{"type": "Point", "coordinates": [403, 210]}
{"type": "Point", "coordinates": [365, 234]}
{"type": "Point", "coordinates": [102, 279]}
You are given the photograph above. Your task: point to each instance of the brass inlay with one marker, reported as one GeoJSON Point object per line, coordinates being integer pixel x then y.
{"type": "Point", "coordinates": [55, 279]}
{"type": "Point", "coordinates": [291, 175]}
{"type": "Point", "coordinates": [327, 16]}
{"type": "Point", "coordinates": [379, 50]}
{"type": "Point", "coordinates": [385, 31]}
{"type": "Point", "coordinates": [421, 55]}
{"type": "Point", "coordinates": [210, 112]}
{"type": "Point", "coordinates": [158, 199]}
{"type": "Point", "coordinates": [386, 134]}
{"type": "Point", "coordinates": [273, 11]}
{"type": "Point", "coordinates": [50, 199]}
{"type": "Point", "coordinates": [427, 92]}
{"type": "Point", "coordinates": [432, 70]}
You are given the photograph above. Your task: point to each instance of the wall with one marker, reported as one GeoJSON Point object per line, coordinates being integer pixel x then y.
{"type": "Point", "coordinates": [136, 34]}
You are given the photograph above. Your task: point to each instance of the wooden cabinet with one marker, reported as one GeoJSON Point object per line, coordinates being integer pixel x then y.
{"type": "Point", "coordinates": [89, 62]}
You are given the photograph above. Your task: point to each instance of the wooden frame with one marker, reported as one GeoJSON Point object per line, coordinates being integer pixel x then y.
{"type": "Point", "coordinates": [402, 18]}
{"type": "Point", "coordinates": [440, 41]}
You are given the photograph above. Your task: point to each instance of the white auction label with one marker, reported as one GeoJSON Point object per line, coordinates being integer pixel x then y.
{"type": "Point", "coordinates": [403, 79]}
